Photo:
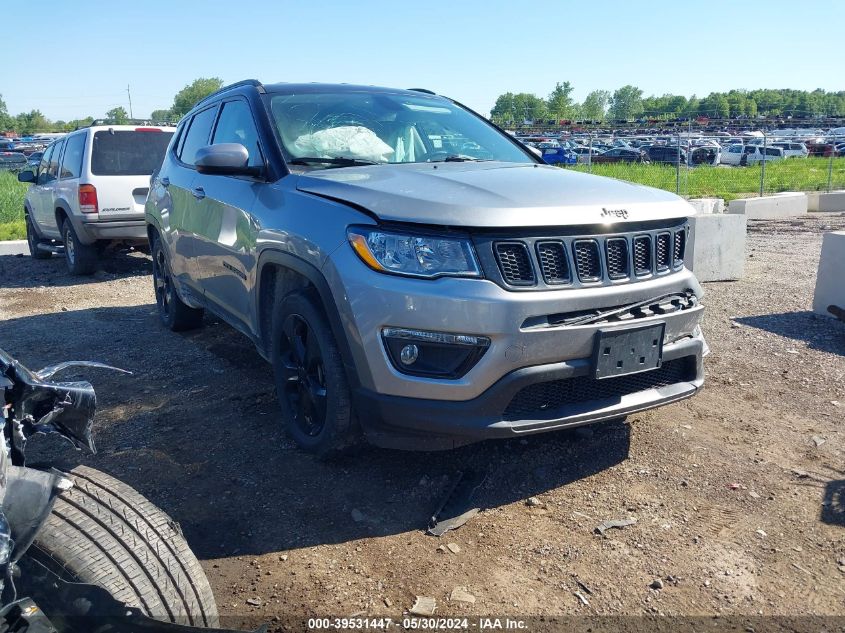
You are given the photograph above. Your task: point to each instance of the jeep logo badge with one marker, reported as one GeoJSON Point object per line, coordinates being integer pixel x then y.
{"type": "Point", "coordinates": [616, 213]}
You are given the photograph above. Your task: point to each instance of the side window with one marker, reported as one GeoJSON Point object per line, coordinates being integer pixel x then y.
{"type": "Point", "coordinates": [53, 166]}
{"type": "Point", "coordinates": [72, 160]}
{"type": "Point", "coordinates": [749, 149]}
{"type": "Point", "coordinates": [45, 162]}
{"type": "Point", "coordinates": [197, 136]}
{"type": "Point", "coordinates": [181, 133]}
{"type": "Point", "coordinates": [235, 125]}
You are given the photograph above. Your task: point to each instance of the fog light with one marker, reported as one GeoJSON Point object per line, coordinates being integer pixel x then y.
{"type": "Point", "coordinates": [409, 354]}
{"type": "Point", "coordinates": [433, 354]}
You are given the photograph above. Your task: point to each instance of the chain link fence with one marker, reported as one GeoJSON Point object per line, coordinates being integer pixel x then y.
{"type": "Point", "coordinates": [697, 166]}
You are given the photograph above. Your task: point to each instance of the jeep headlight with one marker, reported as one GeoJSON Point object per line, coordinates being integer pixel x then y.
{"type": "Point", "coordinates": [414, 255]}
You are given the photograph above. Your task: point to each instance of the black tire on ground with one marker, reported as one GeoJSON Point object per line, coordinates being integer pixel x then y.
{"type": "Point", "coordinates": [33, 240]}
{"type": "Point", "coordinates": [310, 379]}
{"type": "Point", "coordinates": [104, 532]}
{"type": "Point", "coordinates": [172, 311]}
{"type": "Point", "coordinates": [81, 258]}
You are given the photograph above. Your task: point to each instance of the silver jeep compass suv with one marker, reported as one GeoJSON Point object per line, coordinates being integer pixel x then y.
{"type": "Point", "coordinates": [415, 274]}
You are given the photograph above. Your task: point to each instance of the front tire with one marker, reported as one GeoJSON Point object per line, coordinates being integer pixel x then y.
{"type": "Point", "coordinates": [105, 533]}
{"type": "Point", "coordinates": [81, 258]}
{"type": "Point", "coordinates": [310, 379]}
{"type": "Point", "coordinates": [32, 240]}
{"type": "Point", "coordinates": [174, 313]}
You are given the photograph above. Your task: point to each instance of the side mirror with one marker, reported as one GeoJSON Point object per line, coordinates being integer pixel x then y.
{"type": "Point", "coordinates": [26, 176]}
{"type": "Point", "coordinates": [225, 159]}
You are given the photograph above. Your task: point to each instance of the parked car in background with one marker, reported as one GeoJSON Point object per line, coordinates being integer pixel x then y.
{"type": "Point", "coordinates": [732, 154]}
{"type": "Point", "coordinates": [825, 150]}
{"type": "Point", "coordinates": [742, 155]}
{"type": "Point", "coordinates": [792, 149]}
{"type": "Point", "coordinates": [583, 153]}
{"type": "Point", "coordinates": [666, 154]}
{"type": "Point", "coordinates": [621, 155]}
{"type": "Point", "coordinates": [89, 190]}
{"type": "Point", "coordinates": [559, 156]}
{"type": "Point", "coordinates": [34, 159]}
{"type": "Point", "coordinates": [424, 298]}
{"type": "Point", "coordinates": [12, 161]}
{"type": "Point", "coordinates": [754, 154]}
{"type": "Point", "coordinates": [710, 154]}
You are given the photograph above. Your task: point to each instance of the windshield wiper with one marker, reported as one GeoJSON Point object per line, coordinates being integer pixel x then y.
{"type": "Point", "coordinates": [340, 161]}
{"type": "Point", "coordinates": [459, 158]}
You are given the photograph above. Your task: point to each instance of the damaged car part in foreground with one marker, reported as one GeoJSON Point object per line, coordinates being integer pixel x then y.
{"type": "Point", "coordinates": [72, 544]}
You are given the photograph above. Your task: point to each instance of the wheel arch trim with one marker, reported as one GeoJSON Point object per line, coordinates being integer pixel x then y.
{"type": "Point", "coordinates": [318, 281]}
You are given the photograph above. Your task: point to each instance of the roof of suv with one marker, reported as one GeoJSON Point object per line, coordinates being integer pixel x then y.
{"type": "Point", "coordinates": [288, 88]}
{"type": "Point", "coordinates": [313, 87]}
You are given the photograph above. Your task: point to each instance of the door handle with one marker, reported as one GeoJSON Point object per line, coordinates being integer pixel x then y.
{"type": "Point", "coordinates": [198, 193]}
{"type": "Point", "coordinates": [165, 182]}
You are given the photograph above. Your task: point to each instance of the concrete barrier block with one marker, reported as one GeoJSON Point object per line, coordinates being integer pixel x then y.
{"type": "Point", "coordinates": [704, 206]}
{"type": "Point", "coordinates": [782, 205]}
{"type": "Point", "coordinates": [14, 247]}
{"type": "Point", "coordinates": [831, 202]}
{"type": "Point", "coordinates": [830, 281]}
{"type": "Point", "coordinates": [716, 250]}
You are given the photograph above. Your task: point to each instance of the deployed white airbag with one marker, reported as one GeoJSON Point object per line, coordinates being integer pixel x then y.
{"type": "Point", "coordinates": [348, 141]}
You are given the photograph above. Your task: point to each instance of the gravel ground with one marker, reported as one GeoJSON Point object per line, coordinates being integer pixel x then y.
{"type": "Point", "coordinates": [738, 493]}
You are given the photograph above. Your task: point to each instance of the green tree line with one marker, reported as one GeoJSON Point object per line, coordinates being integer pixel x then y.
{"type": "Point", "coordinates": [33, 122]}
{"type": "Point", "coordinates": [628, 103]}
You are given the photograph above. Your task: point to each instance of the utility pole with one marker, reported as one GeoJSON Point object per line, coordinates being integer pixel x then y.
{"type": "Point", "coordinates": [130, 101]}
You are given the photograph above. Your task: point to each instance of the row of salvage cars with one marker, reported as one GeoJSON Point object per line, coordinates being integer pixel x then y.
{"type": "Point", "coordinates": [82, 552]}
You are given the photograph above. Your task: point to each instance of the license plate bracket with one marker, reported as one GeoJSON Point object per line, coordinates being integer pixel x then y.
{"type": "Point", "coordinates": [622, 351]}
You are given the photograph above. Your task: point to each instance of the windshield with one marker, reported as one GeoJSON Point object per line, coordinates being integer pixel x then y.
{"type": "Point", "coordinates": [374, 127]}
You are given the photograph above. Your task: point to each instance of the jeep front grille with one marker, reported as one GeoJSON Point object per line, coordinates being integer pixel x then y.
{"type": "Point", "coordinates": [515, 263]}
{"type": "Point", "coordinates": [582, 257]}
{"type": "Point", "coordinates": [553, 262]}
{"type": "Point", "coordinates": [642, 255]}
{"type": "Point", "coordinates": [617, 257]}
{"type": "Point", "coordinates": [587, 261]}
{"type": "Point", "coordinates": [664, 250]}
{"type": "Point", "coordinates": [680, 246]}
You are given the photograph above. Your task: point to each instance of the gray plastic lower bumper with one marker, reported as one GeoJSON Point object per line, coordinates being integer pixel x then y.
{"type": "Point", "coordinates": [419, 424]}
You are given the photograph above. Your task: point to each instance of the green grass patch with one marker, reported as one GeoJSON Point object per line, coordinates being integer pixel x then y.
{"type": "Point", "coordinates": [15, 230]}
{"type": "Point", "coordinates": [797, 174]}
{"type": "Point", "coordinates": [12, 193]}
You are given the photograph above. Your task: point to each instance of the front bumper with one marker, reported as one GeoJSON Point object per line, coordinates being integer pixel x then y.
{"type": "Point", "coordinates": [421, 424]}
{"type": "Point", "coordinates": [368, 301]}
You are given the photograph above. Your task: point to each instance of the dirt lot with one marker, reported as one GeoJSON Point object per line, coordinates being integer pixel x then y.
{"type": "Point", "coordinates": [739, 493]}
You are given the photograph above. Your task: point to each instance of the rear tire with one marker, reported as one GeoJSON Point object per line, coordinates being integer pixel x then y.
{"type": "Point", "coordinates": [310, 378]}
{"type": "Point", "coordinates": [105, 533]}
{"type": "Point", "coordinates": [175, 314]}
{"type": "Point", "coordinates": [33, 241]}
{"type": "Point", "coordinates": [81, 258]}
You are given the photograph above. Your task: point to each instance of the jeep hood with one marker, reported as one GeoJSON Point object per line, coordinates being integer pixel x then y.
{"type": "Point", "coordinates": [491, 195]}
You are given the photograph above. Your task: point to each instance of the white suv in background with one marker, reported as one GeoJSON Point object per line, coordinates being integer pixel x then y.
{"type": "Point", "coordinates": [793, 149]}
{"type": "Point", "coordinates": [89, 191]}
{"type": "Point", "coordinates": [750, 155]}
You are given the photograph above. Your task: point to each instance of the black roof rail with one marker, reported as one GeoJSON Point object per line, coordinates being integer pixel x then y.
{"type": "Point", "coordinates": [237, 84]}
{"type": "Point", "coordinates": [103, 122]}
{"type": "Point", "coordinates": [425, 90]}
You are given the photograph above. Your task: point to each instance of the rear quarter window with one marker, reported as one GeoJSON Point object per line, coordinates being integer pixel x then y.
{"type": "Point", "coordinates": [72, 160]}
{"type": "Point", "coordinates": [128, 152]}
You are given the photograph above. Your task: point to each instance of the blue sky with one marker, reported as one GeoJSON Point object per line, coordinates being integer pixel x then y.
{"type": "Point", "coordinates": [81, 54]}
